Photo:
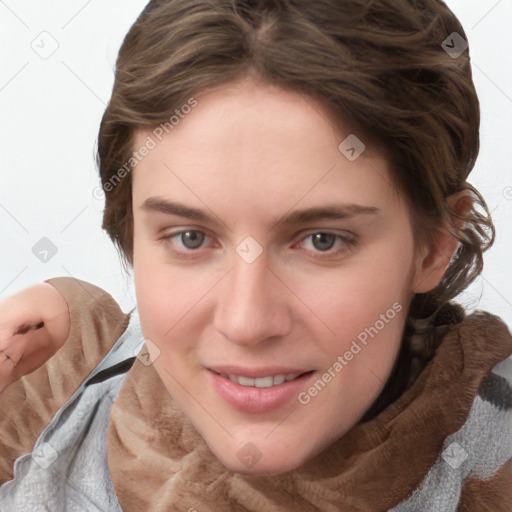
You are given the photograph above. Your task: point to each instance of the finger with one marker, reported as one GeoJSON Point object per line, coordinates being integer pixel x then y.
{"type": "Point", "coordinates": [7, 358]}
{"type": "Point", "coordinates": [7, 337]}
{"type": "Point", "coordinates": [14, 347]}
{"type": "Point", "coordinates": [6, 340]}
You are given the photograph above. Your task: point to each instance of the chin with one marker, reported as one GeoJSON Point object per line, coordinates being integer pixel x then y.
{"type": "Point", "coordinates": [261, 467]}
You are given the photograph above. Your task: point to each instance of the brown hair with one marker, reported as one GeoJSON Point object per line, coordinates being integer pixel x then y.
{"type": "Point", "coordinates": [378, 65]}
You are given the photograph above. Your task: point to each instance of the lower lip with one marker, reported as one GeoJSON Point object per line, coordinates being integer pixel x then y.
{"type": "Point", "coordinates": [258, 400]}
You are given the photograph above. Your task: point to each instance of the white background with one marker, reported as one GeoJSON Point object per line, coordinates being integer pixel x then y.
{"type": "Point", "coordinates": [51, 109]}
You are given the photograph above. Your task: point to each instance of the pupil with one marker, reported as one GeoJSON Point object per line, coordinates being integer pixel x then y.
{"type": "Point", "coordinates": [324, 241]}
{"type": "Point", "coordinates": [192, 239]}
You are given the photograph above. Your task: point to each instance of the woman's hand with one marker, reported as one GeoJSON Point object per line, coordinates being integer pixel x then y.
{"type": "Point", "coordinates": [34, 324]}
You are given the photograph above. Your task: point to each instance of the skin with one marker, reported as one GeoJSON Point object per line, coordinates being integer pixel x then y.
{"type": "Point", "coordinates": [247, 155]}
{"type": "Point", "coordinates": [34, 325]}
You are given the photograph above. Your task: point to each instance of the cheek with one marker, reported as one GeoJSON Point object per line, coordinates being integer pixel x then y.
{"type": "Point", "coordinates": [161, 301]}
{"type": "Point", "coordinates": [365, 301]}
{"type": "Point", "coordinates": [153, 293]}
{"type": "Point", "coordinates": [170, 299]}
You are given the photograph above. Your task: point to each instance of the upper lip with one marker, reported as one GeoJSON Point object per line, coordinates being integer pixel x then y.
{"type": "Point", "coordinates": [256, 373]}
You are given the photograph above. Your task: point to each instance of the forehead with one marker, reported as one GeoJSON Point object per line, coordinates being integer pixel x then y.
{"type": "Point", "coordinates": [247, 115]}
{"type": "Point", "coordinates": [257, 145]}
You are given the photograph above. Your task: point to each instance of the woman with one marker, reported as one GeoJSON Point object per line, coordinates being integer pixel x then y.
{"type": "Point", "coordinates": [288, 180]}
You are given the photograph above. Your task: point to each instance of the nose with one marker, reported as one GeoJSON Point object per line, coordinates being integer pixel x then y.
{"type": "Point", "coordinates": [252, 304]}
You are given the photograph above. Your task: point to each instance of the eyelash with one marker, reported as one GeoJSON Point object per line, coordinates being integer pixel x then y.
{"type": "Point", "coordinates": [348, 242]}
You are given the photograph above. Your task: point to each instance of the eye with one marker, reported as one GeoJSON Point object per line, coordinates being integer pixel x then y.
{"type": "Point", "coordinates": [187, 241]}
{"type": "Point", "coordinates": [324, 241]}
{"type": "Point", "coordinates": [192, 239]}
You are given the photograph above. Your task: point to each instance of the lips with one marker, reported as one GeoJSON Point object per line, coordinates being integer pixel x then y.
{"type": "Point", "coordinates": [256, 399]}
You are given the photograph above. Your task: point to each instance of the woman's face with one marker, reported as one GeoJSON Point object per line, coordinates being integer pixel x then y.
{"type": "Point", "coordinates": [263, 250]}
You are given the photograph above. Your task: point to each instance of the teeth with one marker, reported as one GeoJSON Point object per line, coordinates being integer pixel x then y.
{"type": "Point", "coordinates": [246, 381]}
{"type": "Point", "coordinates": [263, 382]}
{"type": "Point", "coordinates": [279, 379]}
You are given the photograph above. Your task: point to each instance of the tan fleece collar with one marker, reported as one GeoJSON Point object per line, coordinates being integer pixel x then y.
{"type": "Point", "coordinates": [159, 462]}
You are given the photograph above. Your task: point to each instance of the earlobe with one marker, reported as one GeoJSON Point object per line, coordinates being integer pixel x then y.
{"type": "Point", "coordinates": [434, 261]}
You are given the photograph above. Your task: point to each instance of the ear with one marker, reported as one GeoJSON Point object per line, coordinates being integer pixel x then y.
{"type": "Point", "coordinates": [434, 260]}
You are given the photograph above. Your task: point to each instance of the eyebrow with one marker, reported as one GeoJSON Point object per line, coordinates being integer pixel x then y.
{"type": "Point", "coordinates": [335, 212]}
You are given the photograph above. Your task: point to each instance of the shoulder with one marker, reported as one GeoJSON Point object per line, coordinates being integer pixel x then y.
{"type": "Point", "coordinates": [488, 483]}
{"type": "Point", "coordinates": [97, 322]}
{"type": "Point", "coordinates": [473, 468]}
